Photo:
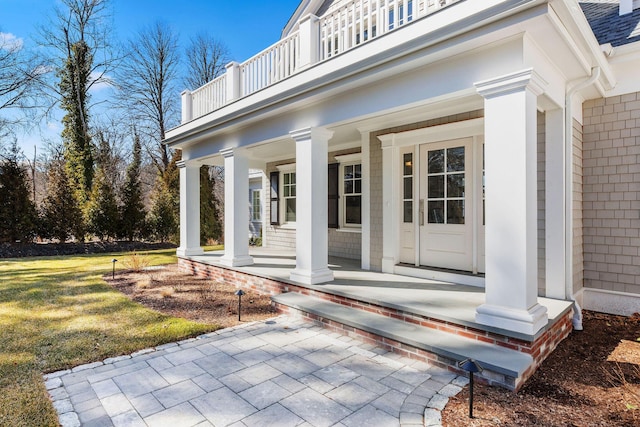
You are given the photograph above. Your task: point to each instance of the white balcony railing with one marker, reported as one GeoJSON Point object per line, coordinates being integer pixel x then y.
{"type": "Point", "coordinates": [342, 27]}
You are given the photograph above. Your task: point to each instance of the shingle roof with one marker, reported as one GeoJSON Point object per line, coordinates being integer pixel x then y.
{"type": "Point", "coordinates": [608, 26]}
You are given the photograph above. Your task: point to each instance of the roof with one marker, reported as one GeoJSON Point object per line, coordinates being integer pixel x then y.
{"type": "Point", "coordinates": [608, 26]}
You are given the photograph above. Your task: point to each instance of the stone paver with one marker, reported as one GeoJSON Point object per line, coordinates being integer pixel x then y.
{"type": "Point", "coordinates": [284, 372]}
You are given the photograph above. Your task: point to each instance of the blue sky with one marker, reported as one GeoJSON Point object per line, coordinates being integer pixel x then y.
{"type": "Point", "coordinates": [246, 30]}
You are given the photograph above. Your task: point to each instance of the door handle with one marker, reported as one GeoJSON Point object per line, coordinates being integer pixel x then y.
{"type": "Point", "coordinates": [421, 212]}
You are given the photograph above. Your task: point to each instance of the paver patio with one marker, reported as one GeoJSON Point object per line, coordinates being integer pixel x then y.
{"type": "Point", "coordinates": [283, 372]}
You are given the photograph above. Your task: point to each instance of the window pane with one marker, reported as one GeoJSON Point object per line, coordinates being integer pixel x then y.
{"type": "Point", "coordinates": [293, 190]}
{"type": "Point", "coordinates": [408, 188]}
{"type": "Point", "coordinates": [290, 210]}
{"type": "Point", "coordinates": [348, 172]}
{"type": "Point", "coordinates": [357, 171]}
{"type": "Point", "coordinates": [357, 187]}
{"type": "Point", "coordinates": [408, 211]}
{"type": "Point", "coordinates": [436, 212]}
{"type": "Point", "coordinates": [286, 179]}
{"type": "Point", "coordinates": [455, 159]}
{"type": "Point", "coordinates": [408, 164]}
{"type": "Point", "coordinates": [353, 211]}
{"type": "Point", "coordinates": [455, 211]}
{"type": "Point", "coordinates": [348, 187]}
{"type": "Point", "coordinates": [455, 185]}
{"type": "Point", "coordinates": [436, 187]}
{"type": "Point", "coordinates": [436, 161]}
{"type": "Point", "coordinates": [293, 177]}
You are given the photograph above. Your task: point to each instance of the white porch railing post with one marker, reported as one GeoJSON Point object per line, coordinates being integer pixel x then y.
{"type": "Point", "coordinates": [233, 81]}
{"type": "Point", "coordinates": [187, 106]}
{"type": "Point", "coordinates": [189, 209]}
{"type": "Point", "coordinates": [309, 40]}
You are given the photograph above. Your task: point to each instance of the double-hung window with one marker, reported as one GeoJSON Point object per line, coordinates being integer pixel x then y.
{"type": "Point", "coordinates": [350, 190]}
{"type": "Point", "coordinates": [256, 214]}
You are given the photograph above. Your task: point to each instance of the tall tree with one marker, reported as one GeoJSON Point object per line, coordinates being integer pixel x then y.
{"type": "Point", "coordinates": [147, 82]}
{"type": "Point", "coordinates": [207, 58]}
{"type": "Point", "coordinates": [78, 42]}
{"type": "Point", "coordinates": [101, 212]}
{"type": "Point", "coordinates": [132, 212]}
{"type": "Point", "coordinates": [61, 215]}
{"type": "Point", "coordinates": [18, 217]}
{"type": "Point", "coordinates": [18, 74]}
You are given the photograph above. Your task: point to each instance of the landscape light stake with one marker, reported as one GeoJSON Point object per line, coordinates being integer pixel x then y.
{"type": "Point", "coordinates": [472, 367]}
{"type": "Point", "coordinates": [113, 272]}
{"type": "Point", "coordinates": [239, 292]}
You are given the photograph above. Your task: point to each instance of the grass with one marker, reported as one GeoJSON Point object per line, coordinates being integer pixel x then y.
{"type": "Point", "coordinates": [56, 313]}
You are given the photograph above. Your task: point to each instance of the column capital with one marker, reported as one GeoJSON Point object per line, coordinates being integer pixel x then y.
{"type": "Point", "coordinates": [181, 164]}
{"type": "Point", "coordinates": [227, 152]}
{"type": "Point", "coordinates": [513, 82]}
{"type": "Point", "coordinates": [311, 133]}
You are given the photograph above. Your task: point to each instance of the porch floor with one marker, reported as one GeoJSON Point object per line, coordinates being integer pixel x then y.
{"type": "Point", "coordinates": [449, 302]}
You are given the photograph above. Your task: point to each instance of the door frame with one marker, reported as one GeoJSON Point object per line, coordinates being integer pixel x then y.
{"type": "Point", "coordinates": [392, 145]}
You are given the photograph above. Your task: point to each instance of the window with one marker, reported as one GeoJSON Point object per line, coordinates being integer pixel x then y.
{"type": "Point", "coordinates": [256, 211]}
{"type": "Point", "coordinates": [289, 196]}
{"type": "Point", "coordinates": [352, 190]}
{"type": "Point", "coordinates": [347, 185]}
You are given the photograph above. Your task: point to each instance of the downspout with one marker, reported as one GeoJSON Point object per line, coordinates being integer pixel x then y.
{"type": "Point", "coordinates": [568, 158]}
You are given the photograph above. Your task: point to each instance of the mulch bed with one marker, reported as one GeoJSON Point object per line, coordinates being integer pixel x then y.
{"type": "Point", "coordinates": [57, 249]}
{"type": "Point", "coordinates": [592, 379]}
{"type": "Point", "coordinates": [168, 290]}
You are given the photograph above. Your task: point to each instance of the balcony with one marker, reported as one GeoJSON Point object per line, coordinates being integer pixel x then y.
{"type": "Point", "coordinates": [341, 28]}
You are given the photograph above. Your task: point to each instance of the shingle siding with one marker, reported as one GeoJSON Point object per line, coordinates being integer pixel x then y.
{"type": "Point", "coordinates": [611, 204]}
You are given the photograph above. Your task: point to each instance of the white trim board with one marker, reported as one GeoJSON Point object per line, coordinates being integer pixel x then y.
{"type": "Point", "coordinates": [611, 302]}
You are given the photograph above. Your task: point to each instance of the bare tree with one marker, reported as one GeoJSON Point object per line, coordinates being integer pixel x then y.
{"type": "Point", "coordinates": [206, 60]}
{"type": "Point", "coordinates": [147, 83]}
{"type": "Point", "coordinates": [18, 73]}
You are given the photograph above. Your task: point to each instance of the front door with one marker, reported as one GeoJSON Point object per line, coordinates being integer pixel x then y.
{"type": "Point", "coordinates": [446, 205]}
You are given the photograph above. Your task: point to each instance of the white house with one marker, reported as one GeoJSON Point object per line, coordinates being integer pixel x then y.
{"type": "Point", "coordinates": [493, 143]}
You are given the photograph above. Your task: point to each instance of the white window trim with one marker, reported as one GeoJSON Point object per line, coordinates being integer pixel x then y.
{"type": "Point", "coordinates": [283, 169]}
{"type": "Point", "coordinates": [347, 160]}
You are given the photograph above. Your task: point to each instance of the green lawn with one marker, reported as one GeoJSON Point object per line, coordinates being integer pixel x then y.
{"type": "Point", "coordinates": [56, 313]}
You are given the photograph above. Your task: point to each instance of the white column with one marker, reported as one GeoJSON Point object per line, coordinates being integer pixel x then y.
{"type": "Point", "coordinates": [511, 281]}
{"type": "Point", "coordinates": [236, 209]}
{"type": "Point", "coordinates": [312, 240]}
{"type": "Point", "coordinates": [189, 209]}
{"type": "Point", "coordinates": [390, 155]}
{"type": "Point", "coordinates": [554, 204]}
{"type": "Point", "coordinates": [365, 253]}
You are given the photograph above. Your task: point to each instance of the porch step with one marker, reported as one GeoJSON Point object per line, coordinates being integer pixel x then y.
{"type": "Point", "coordinates": [510, 363]}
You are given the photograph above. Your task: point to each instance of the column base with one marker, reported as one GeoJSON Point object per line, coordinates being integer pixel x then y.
{"type": "Point", "coordinates": [237, 261]}
{"type": "Point", "coordinates": [523, 321]}
{"type": "Point", "coordinates": [309, 277]}
{"type": "Point", "coordinates": [187, 252]}
{"type": "Point", "coordinates": [388, 265]}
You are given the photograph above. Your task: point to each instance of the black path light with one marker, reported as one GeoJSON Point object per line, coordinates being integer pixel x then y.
{"type": "Point", "coordinates": [472, 367]}
{"type": "Point", "coordinates": [113, 272]}
{"type": "Point", "coordinates": [239, 292]}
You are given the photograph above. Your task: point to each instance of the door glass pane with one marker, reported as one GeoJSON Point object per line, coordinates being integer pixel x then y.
{"type": "Point", "coordinates": [436, 187]}
{"type": "Point", "coordinates": [436, 161]}
{"type": "Point", "coordinates": [408, 164]}
{"type": "Point", "coordinates": [408, 188]}
{"type": "Point", "coordinates": [436, 212]}
{"type": "Point", "coordinates": [455, 211]}
{"type": "Point", "coordinates": [455, 159]}
{"type": "Point", "coordinates": [455, 185]}
{"type": "Point", "coordinates": [408, 211]}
